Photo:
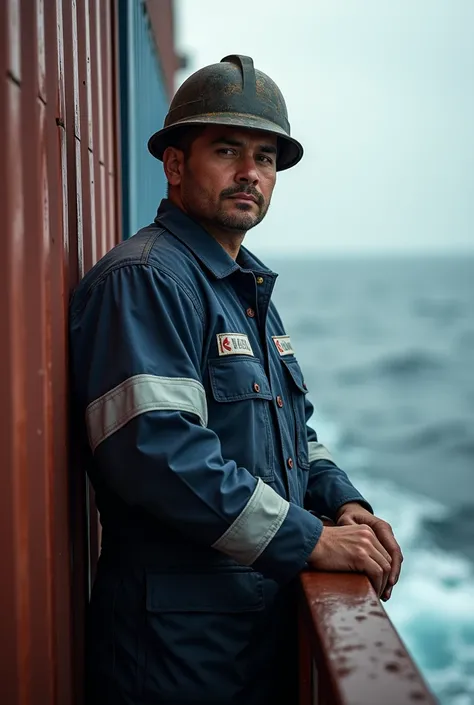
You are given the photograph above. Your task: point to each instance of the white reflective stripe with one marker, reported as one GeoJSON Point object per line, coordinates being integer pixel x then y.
{"type": "Point", "coordinates": [316, 451]}
{"type": "Point", "coordinates": [139, 394]}
{"type": "Point", "coordinates": [255, 526]}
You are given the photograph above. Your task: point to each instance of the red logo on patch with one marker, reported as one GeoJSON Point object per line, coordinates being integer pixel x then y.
{"type": "Point", "coordinates": [226, 345]}
{"type": "Point", "coordinates": [279, 346]}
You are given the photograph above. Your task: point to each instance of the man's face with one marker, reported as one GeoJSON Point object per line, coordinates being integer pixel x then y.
{"type": "Point", "coordinates": [228, 177]}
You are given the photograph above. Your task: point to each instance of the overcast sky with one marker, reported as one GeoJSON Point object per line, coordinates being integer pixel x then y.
{"type": "Point", "coordinates": [381, 95]}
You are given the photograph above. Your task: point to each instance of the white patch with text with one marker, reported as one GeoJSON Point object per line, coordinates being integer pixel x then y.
{"type": "Point", "coordinates": [283, 344]}
{"type": "Point", "coordinates": [233, 344]}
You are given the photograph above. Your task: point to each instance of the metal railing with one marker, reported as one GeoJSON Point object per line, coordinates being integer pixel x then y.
{"type": "Point", "coordinates": [350, 652]}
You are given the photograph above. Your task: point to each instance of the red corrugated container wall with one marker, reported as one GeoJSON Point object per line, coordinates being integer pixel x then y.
{"type": "Point", "coordinates": [59, 213]}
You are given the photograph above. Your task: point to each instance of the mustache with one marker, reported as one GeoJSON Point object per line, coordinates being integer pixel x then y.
{"type": "Point", "coordinates": [247, 190]}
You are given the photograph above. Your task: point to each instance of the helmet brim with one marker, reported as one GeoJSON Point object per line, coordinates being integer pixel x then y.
{"type": "Point", "coordinates": [290, 151]}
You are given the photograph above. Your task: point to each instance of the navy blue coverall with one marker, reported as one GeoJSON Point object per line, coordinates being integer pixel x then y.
{"type": "Point", "coordinates": [194, 413]}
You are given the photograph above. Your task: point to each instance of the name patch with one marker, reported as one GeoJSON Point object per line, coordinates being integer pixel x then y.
{"type": "Point", "coordinates": [233, 344]}
{"type": "Point", "coordinates": [283, 344]}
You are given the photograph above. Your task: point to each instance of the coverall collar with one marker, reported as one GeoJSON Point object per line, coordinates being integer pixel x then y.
{"type": "Point", "coordinates": [203, 245]}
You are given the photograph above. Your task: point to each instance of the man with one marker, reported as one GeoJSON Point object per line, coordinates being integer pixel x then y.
{"type": "Point", "coordinates": [209, 482]}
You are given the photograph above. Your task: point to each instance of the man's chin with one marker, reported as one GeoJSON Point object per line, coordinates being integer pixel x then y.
{"type": "Point", "coordinates": [239, 221]}
{"type": "Point", "coordinates": [244, 225]}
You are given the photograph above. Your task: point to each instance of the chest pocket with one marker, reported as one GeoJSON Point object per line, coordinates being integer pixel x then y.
{"type": "Point", "coordinates": [298, 392]}
{"type": "Point", "coordinates": [241, 413]}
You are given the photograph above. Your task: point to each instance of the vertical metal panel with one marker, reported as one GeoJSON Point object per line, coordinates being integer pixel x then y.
{"type": "Point", "coordinates": [109, 59]}
{"type": "Point", "coordinates": [37, 376]}
{"type": "Point", "coordinates": [96, 153]}
{"type": "Point", "coordinates": [144, 104]}
{"type": "Point", "coordinates": [58, 201]}
{"type": "Point", "coordinates": [162, 21]}
{"type": "Point", "coordinates": [13, 588]}
{"type": "Point", "coordinates": [84, 132]}
{"type": "Point", "coordinates": [58, 208]}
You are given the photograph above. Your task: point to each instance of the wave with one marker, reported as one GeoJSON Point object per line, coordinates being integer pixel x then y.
{"type": "Point", "coordinates": [409, 363]}
{"type": "Point", "coordinates": [451, 436]}
{"type": "Point", "coordinates": [404, 365]}
{"type": "Point", "coordinates": [432, 606]}
{"type": "Point", "coordinates": [454, 531]}
{"type": "Point", "coordinates": [465, 340]}
{"type": "Point", "coordinates": [445, 311]}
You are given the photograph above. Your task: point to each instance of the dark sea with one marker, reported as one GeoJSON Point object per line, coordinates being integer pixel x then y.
{"type": "Point", "coordinates": [387, 349]}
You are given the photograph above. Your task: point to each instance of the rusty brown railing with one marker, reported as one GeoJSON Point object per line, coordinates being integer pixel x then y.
{"type": "Point", "coordinates": [350, 652]}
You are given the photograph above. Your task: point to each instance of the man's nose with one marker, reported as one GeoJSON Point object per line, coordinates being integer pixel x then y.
{"type": "Point", "coordinates": [247, 172]}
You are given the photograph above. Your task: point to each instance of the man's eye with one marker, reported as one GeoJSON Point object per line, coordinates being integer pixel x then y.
{"type": "Point", "coordinates": [226, 150]}
{"type": "Point", "coordinates": [264, 158]}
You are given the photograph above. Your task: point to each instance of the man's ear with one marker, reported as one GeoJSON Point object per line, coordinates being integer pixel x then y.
{"type": "Point", "coordinates": [173, 162]}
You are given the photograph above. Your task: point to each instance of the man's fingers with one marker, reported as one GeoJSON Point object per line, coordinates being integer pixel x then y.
{"type": "Point", "coordinates": [396, 568]}
{"type": "Point", "coordinates": [387, 594]}
{"type": "Point", "coordinates": [386, 538]}
{"type": "Point", "coordinates": [381, 548]}
{"type": "Point", "coordinates": [380, 559]}
{"type": "Point", "coordinates": [394, 574]}
{"type": "Point", "coordinates": [371, 537]}
{"type": "Point", "coordinates": [354, 546]}
{"type": "Point", "coordinates": [373, 560]}
{"type": "Point", "coordinates": [346, 520]}
{"type": "Point", "coordinates": [376, 575]}
{"type": "Point", "coordinates": [383, 532]}
{"type": "Point", "coordinates": [385, 535]}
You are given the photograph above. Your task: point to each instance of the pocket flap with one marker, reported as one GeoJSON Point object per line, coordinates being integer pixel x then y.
{"type": "Point", "coordinates": [294, 369]}
{"type": "Point", "coordinates": [205, 592]}
{"type": "Point", "coordinates": [237, 379]}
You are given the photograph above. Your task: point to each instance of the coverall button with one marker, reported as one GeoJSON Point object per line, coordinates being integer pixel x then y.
{"type": "Point", "coordinates": [279, 401]}
{"type": "Point", "coordinates": [260, 280]}
{"type": "Point", "coordinates": [250, 313]}
{"type": "Point", "coordinates": [256, 387]}
{"type": "Point", "coordinates": [289, 462]}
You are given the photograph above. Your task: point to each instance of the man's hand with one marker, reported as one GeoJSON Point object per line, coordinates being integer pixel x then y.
{"type": "Point", "coordinates": [353, 514]}
{"type": "Point", "coordinates": [353, 548]}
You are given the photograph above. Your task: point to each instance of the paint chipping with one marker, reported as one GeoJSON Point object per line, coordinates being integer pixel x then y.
{"type": "Point", "coordinates": [392, 667]}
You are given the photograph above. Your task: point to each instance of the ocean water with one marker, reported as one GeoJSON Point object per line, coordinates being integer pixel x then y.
{"type": "Point", "coordinates": [387, 349]}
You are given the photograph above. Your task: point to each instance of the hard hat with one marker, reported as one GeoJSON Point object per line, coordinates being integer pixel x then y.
{"type": "Point", "coordinates": [232, 93]}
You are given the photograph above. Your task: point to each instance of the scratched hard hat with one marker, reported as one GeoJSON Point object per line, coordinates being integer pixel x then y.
{"type": "Point", "coordinates": [232, 93]}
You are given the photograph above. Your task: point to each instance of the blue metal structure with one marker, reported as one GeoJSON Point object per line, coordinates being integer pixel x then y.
{"type": "Point", "coordinates": [143, 106]}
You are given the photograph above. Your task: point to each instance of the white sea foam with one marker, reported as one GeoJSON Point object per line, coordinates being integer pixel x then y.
{"type": "Point", "coordinates": [432, 606]}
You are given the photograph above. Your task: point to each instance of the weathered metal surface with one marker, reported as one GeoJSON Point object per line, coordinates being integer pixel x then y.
{"type": "Point", "coordinates": [234, 93]}
{"type": "Point", "coordinates": [58, 209]}
{"type": "Point", "coordinates": [161, 14]}
{"type": "Point", "coordinates": [359, 657]}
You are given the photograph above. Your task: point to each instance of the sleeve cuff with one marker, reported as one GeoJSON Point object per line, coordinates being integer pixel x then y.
{"type": "Point", "coordinates": [288, 552]}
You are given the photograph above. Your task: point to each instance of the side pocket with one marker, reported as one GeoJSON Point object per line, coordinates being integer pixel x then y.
{"type": "Point", "coordinates": [199, 628]}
